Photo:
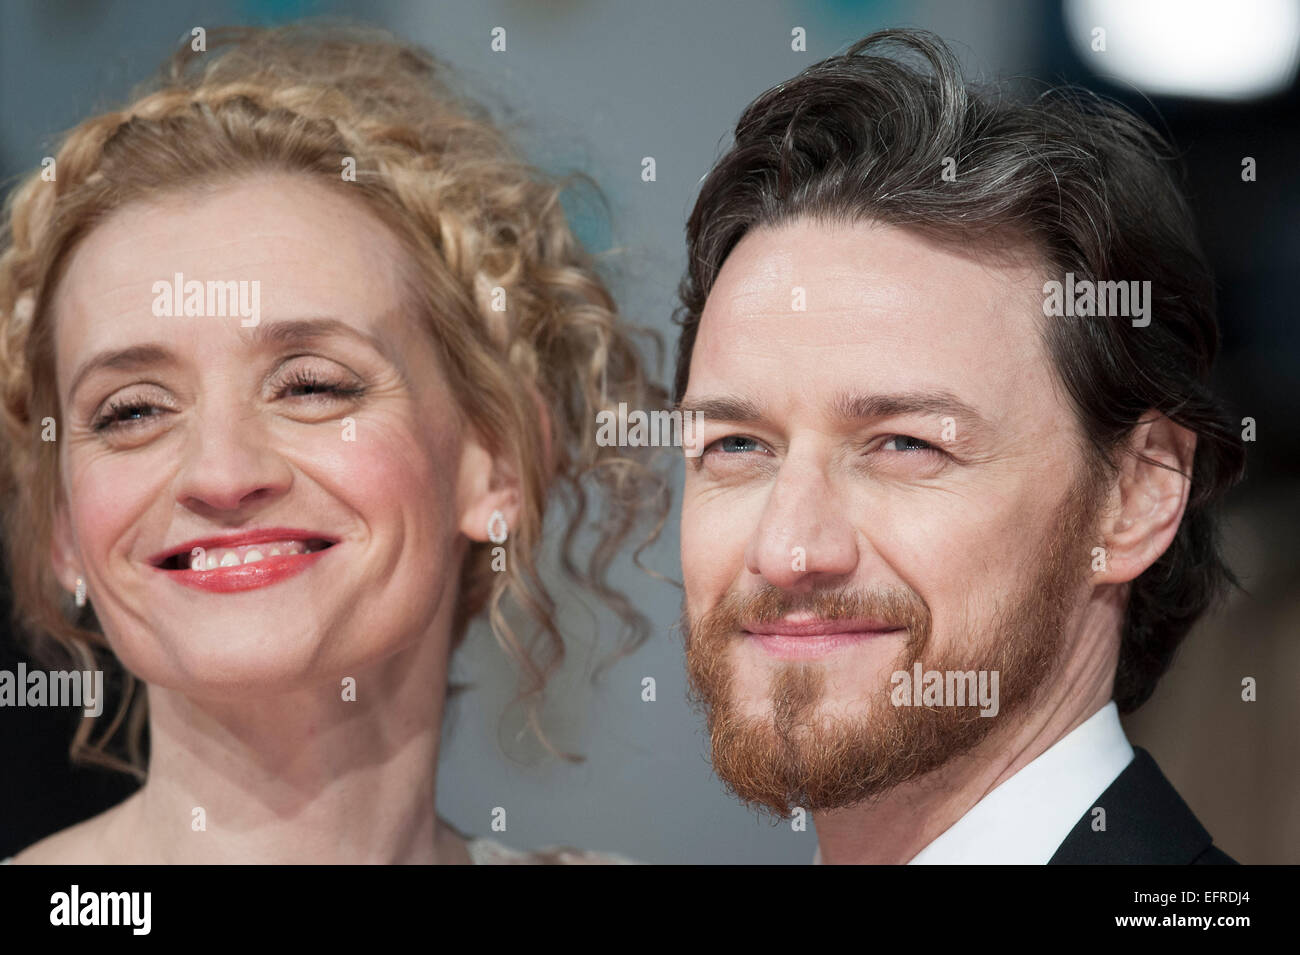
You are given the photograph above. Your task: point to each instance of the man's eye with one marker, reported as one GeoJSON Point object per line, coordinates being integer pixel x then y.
{"type": "Point", "coordinates": [905, 442]}
{"type": "Point", "coordinates": [735, 444]}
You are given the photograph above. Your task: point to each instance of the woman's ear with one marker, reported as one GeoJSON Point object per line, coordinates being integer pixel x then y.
{"type": "Point", "coordinates": [490, 493]}
{"type": "Point", "coordinates": [491, 484]}
{"type": "Point", "coordinates": [63, 553]}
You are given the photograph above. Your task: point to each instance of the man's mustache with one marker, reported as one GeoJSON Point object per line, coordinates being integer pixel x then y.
{"type": "Point", "coordinates": [896, 607]}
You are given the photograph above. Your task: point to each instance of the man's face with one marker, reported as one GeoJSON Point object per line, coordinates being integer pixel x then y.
{"type": "Point", "coordinates": [890, 476]}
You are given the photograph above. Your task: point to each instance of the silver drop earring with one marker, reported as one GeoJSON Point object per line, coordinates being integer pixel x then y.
{"type": "Point", "coordinates": [79, 595]}
{"type": "Point", "coordinates": [496, 528]}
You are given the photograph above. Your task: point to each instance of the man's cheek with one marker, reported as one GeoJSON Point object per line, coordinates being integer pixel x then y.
{"type": "Point", "coordinates": [700, 563]}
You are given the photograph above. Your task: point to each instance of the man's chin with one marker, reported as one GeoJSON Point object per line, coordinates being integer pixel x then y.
{"type": "Point", "coordinates": [781, 770]}
{"type": "Point", "coordinates": [821, 719]}
{"type": "Point", "coordinates": [837, 754]}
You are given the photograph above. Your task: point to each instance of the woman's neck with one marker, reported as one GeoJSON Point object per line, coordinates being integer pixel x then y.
{"type": "Point", "coordinates": [307, 776]}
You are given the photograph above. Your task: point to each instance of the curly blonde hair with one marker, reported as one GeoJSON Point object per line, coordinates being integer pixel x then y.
{"type": "Point", "coordinates": [308, 98]}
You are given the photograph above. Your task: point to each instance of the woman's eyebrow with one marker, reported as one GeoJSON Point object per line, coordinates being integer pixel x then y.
{"type": "Point", "coordinates": [304, 331]}
{"type": "Point", "coordinates": [291, 332]}
{"type": "Point", "coordinates": [286, 333]}
{"type": "Point", "coordinates": [124, 359]}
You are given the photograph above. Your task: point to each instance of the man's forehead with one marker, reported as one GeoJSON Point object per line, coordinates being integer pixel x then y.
{"type": "Point", "coordinates": [806, 314]}
{"type": "Point", "coordinates": [804, 266]}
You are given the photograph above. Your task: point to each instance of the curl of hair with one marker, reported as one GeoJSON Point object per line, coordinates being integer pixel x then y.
{"type": "Point", "coordinates": [304, 99]}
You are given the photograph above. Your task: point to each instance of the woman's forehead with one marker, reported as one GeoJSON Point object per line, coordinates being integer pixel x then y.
{"type": "Point", "coordinates": [304, 251]}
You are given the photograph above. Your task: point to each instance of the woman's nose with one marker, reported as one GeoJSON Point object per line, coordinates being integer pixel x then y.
{"type": "Point", "coordinates": [229, 463]}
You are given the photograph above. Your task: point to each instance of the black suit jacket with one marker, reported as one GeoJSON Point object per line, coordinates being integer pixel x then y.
{"type": "Point", "coordinates": [1147, 823]}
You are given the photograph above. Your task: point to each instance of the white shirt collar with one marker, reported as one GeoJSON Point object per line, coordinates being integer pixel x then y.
{"type": "Point", "coordinates": [1025, 819]}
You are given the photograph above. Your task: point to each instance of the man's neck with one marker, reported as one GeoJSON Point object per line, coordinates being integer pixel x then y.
{"type": "Point", "coordinates": [893, 828]}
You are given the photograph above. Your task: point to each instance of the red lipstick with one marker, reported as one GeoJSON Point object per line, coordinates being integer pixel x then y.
{"type": "Point", "coordinates": [270, 569]}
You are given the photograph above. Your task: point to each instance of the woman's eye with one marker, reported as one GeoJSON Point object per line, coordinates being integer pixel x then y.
{"type": "Point", "coordinates": [126, 414]}
{"type": "Point", "coordinates": [308, 384]}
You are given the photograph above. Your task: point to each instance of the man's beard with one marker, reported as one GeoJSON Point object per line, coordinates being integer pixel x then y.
{"type": "Point", "coordinates": [796, 757]}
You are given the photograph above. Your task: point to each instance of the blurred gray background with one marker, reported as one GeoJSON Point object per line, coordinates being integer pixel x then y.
{"type": "Point", "coordinates": [595, 87]}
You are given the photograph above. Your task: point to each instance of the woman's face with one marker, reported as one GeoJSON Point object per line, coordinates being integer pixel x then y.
{"type": "Point", "coordinates": [208, 459]}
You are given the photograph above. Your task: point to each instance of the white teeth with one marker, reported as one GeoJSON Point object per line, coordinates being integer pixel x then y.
{"type": "Point", "coordinates": [212, 558]}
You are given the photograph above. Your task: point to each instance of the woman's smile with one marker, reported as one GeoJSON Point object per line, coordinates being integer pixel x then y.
{"type": "Point", "coordinates": [363, 401]}
{"type": "Point", "coordinates": [243, 561]}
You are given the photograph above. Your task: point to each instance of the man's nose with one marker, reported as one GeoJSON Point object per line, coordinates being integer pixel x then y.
{"type": "Point", "coordinates": [804, 537]}
{"type": "Point", "coordinates": [229, 463]}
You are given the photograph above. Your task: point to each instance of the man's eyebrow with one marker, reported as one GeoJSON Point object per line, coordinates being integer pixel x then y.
{"type": "Point", "coordinates": [848, 407]}
{"type": "Point", "coordinates": [858, 407]}
{"type": "Point", "coordinates": [721, 408]}
{"type": "Point", "coordinates": [286, 334]}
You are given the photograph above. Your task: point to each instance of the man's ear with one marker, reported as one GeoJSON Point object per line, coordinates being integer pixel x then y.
{"type": "Point", "coordinates": [1147, 504]}
{"type": "Point", "coordinates": [63, 553]}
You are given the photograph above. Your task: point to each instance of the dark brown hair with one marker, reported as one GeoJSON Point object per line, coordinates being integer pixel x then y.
{"type": "Point", "coordinates": [1081, 181]}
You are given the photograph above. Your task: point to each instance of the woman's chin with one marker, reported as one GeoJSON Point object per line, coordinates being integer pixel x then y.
{"type": "Point", "coordinates": [246, 684]}
{"type": "Point", "coordinates": [214, 661]}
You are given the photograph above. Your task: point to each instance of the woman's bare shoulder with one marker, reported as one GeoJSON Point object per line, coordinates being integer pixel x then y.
{"type": "Point", "coordinates": [79, 844]}
{"type": "Point", "coordinates": [490, 852]}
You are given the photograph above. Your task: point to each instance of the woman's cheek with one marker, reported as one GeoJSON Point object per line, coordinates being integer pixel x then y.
{"type": "Point", "coordinates": [373, 458]}
{"type": "Point", "coordinates": [108, 496]}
